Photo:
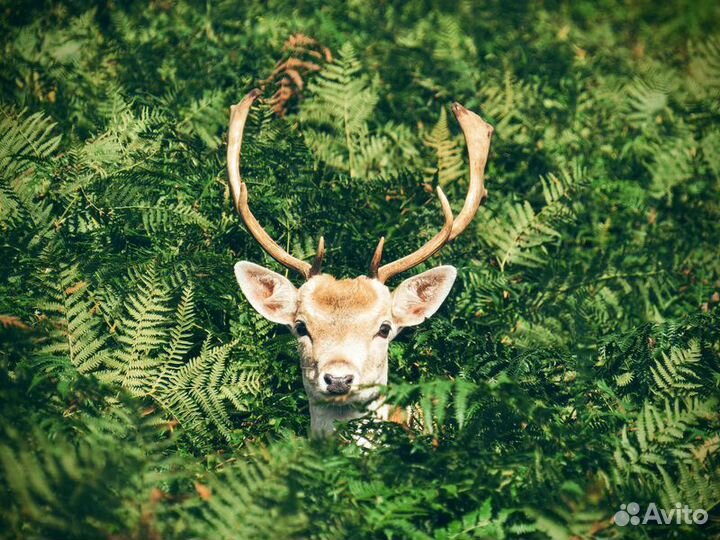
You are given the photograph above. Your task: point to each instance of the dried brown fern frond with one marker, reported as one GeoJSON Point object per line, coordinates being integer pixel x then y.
{"type": "Point", "coordinates": [303, 55]}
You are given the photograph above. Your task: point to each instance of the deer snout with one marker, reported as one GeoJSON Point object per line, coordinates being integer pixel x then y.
{"type": "Point", "coordinates": [338, 384]}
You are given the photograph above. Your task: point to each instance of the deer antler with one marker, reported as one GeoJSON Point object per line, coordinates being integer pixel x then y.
{"type": "Point", "coordinates": [477, 138]}
{"type": "Point", "coordinates": [385, 272]}
{"type": "Point", "coordinates": [238, 117]}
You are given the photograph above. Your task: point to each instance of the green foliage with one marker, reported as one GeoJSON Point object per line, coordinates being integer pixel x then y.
{"type": "Point", "coordinates": [338, 121]}
{"type": "Point", "coordinates": [74, 333]}
{"type": "Point", "coordinates": [673, 375]}
{"type": "Point", "coordinates": [448, 153]}
{"type": "Point", "coordinates": [264, 487]}
{"type": "Point", "coordinates": [153, 360]}
{"type": "Point", "coordinates": [109, 456]}
{"type": "Point", "coordinates": [574, 367]}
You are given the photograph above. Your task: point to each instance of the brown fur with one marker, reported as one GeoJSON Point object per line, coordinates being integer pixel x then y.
{"type": "Point", "coordinates": [398, 415]}
{"type": "Point", "coordinates": [334, 295]}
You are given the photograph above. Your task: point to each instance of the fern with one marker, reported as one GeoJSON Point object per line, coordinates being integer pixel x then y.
{"type": "Point", "coordinates": [179, 343]}
{"type": "Point", "coordinates": [710, 146]}
{"type": "Point", "coordinates": [673, 375]}
{"type": "Point", "coordinates": [337, 119]}
{"type": "Point", "coordinates": [52, 478]}
{"type": "Point", "coordinates": [25, 140]}
{"type": "Point", "coordinates": [694, 486]}
{"type": "Point", "coordinates": [143, 332]}
{"type": "Point", "coordinates": [624, 379]}
{"type": "Point", "coordinates": [670, 164]}
{"type": "Point", "coordinates": [117, 148]}
{"type": "Point", "coordinates": [561, 188]}
{"type": "Point", "coordinates": [521, 234]}
{"type": "Point", "coordinates": [204, 118]}
{"type": "Point", "coordinates": [198, 393]}
{"type": "Point", "coordinates": [649, 97]}
{"type": "Point", "coordinates": [520, 237]}
{"type": "Point", "coordinates": [479, 523]}
{"type": "Point", "coordinates": [447, 152]}
{"type": "Point", "coordinates": [704, 66]}
{"type": "Point", "coordinates": [660, 437]}
{"type": "Point", "coordinates": [164, 217]}
{"type": "Point", "coordinates": [154, 361]}
{"type": "Point", "coordinates": [263, 488]}
{"type": "Point", "coordinates": [434, 399]}
{"type": "Point", "coordinates": [76, 331]}
{"type": "Point", "coordinates": [509, 100]}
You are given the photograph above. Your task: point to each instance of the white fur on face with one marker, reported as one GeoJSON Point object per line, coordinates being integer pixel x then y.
{"type": "Point", "coordinates": [343, 319]}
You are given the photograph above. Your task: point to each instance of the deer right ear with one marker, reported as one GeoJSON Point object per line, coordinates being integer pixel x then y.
{"type": "Point", "coordinates": [272, 295]}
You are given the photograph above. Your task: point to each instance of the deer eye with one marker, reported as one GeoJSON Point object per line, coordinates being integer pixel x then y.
{"type": "Point", "coordinates": [301, 329]}
{"type": "Point", "coordinates": [384, 331]}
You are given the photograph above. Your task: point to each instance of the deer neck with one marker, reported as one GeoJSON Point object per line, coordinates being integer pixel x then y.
{"type": "Point", "coordinates": [324, 416]}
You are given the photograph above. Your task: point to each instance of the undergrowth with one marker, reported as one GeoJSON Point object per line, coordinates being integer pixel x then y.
{"type": "Point", "coordinates": [574, 368]}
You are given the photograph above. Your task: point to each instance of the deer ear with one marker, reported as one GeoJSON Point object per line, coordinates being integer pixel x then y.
{"type": "Point", "coordinates": [272, 295]}
{"type": "Point", "coordinates": [419, 297]}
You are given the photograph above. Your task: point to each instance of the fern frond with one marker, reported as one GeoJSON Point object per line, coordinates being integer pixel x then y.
{"type": "Point", "coordinates": [197, 392]}
{"type": "Point", "coordinates": [670, 164]}
{"type": "Point", "coordinates": [433, 399]}
{"type": "Point", "coordinates": [520, 237]}
{"type": "Point", "coordinates": [624, 379]}
{"type": "Point", "coordinates": [673, 375]}
{"type": "Point", "coordinates": [558, 187]}
{"type": "Point", "coordinates": [165, 217]}
{"type": "Point", "coordinates": [76, 333]}
{"type": "Point", "coordinates": [179, 343]}
{"type": "Point", "coordinates": [142, 332]}
{"type": "Point", "coordinates": [261, 485]}
{"type": "Point", "coordinates": [338, 120]}
{"type": "Point", "coordinates": [694, 486]}
{"type": "Point", "coordinates": [648, 97]}
{"type": "Point", "coordinates": [449, 165]}
{"type": "Point", "coordinates": [661, 437]}
{"type": "Point", "coordinates": [25, 140]}
{"type": "Point", "coordinates": [705, 65]}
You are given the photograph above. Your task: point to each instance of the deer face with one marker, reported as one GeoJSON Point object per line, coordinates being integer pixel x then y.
{"type": "Point", "coordinates": [343, 327]}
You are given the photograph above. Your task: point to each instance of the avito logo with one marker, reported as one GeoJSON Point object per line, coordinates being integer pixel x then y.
{"type": "Point", "coordinates": [629, 514]}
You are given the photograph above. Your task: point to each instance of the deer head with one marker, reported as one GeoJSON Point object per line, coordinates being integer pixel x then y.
{"type": "Point", "coordinates": [343, 327]}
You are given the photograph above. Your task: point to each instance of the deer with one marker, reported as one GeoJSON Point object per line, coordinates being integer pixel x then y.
{"type": "Point", "coordinates": [343, 327]}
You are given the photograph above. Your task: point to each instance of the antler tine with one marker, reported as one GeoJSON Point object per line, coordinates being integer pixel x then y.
{"type": "Point", "coordinates": [319, 255]}
{"type": "Point", "coordinates": [477, 138]}
{"type": "Point", "coordinates": [238, 117]}
{"type": "Point", "coordinates": [424, 253]}
{"type": "Point", "coordinates": [377, 257]}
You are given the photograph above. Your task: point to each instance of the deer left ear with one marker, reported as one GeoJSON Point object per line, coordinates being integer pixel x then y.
{"type": "Point", "coordinates": [419, 297]}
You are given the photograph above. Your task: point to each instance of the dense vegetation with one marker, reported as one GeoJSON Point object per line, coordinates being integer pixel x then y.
{"type": "Point", "coordinates": [575, 366]}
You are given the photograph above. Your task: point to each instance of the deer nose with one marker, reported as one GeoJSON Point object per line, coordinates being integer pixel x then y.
{"type": "Point", "coordinates": [338, 385]}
